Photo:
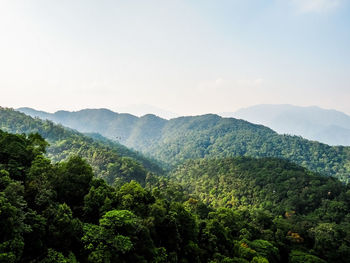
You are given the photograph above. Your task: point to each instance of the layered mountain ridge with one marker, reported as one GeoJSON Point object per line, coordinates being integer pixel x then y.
{"type": "Point", "coordinates": [109, 159]}
{"type": "Point", "coordinates": [207, 136]}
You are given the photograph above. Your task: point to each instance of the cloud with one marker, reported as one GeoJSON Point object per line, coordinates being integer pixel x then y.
{"type": "Point", "coordinates": [316, 6]}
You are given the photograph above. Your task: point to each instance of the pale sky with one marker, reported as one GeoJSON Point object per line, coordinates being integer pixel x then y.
{"type": "Point", "coordinates": [185, 56]}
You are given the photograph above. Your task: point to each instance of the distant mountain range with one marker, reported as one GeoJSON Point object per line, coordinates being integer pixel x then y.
{"type": "Point", "coordinates": [328, 126]}
{"type": "Point", "coordinates": [207, 136]}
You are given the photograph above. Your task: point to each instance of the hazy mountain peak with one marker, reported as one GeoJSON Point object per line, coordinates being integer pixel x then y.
{"type": "Point", "coordinates": [311, 122]}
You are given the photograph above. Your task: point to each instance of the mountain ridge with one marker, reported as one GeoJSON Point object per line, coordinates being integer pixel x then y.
{"type": "Point", "coordinates": [211, 136]}
{"type": "Point", "coordinates": [99, 151]}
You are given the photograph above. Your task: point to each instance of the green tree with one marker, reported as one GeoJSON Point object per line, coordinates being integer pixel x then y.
{"type": "Point", "coordinates": [112, 238]}
{"type": "Point", "coordinates": [302, 257]}
{"type": "Point", "coordinates": [72, 183]}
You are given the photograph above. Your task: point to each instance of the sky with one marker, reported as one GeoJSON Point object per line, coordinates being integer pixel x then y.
{"type": "Point", "coordinates": [184, 56]}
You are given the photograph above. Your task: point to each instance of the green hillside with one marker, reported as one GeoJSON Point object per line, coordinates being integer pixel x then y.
{"type": "Point", "coordinates": [109, 160]}
{"type": "Point", "coordinates": [217, 211]}
{"type": "Point", "coordinates": [272, 184]}
{"type": "Point", "coordinates": [207, 136]}
{"type": "Point", "coordinates": [211, 136]}
{"type": "Point", "coordinates": [294, 199]}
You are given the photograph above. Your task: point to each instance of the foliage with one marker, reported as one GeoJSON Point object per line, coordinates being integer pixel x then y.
{"type": "Point", "coordinates": [225, 210]}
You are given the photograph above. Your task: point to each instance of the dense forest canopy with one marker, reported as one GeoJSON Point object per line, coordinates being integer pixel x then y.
{"type": "Point", "coordinates": [207, 136]}
{"type": "Point", "coordinates": [224, 210]}
{"type": "Point", "coordinates": [273, 184]}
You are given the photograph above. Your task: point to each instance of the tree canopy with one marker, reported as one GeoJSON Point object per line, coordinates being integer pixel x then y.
{"type": "Point", "coordinates": [225, 210]}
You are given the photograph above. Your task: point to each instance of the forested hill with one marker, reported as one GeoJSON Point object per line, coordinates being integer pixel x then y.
{"type": "Point", "coordinates": [211, 136]}
{"type": "Point", "coordinates": [272, 184]}
{"type": "Point", "coordinates": [314, 209]}
{"type": "Point", "coordinates": [110, 160]}
{"type": "Point", "coordinates": [239, 210]}
{"type": "Point", "coordinates": [208, 136]}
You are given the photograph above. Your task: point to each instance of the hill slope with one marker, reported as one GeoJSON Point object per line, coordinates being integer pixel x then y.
{"type": "Point", "coordinates": [273, 184]}
{"type": "Point", "coordinates": [311, 209]}
{"type": "Point", "coordinates": [109, 160]}
{"type": "Point", "coordinates": [60, 213]}
{"type": "Point", "coordinates": [327, 126]}
{"type": "Point", "coordinates": [210, 136]}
